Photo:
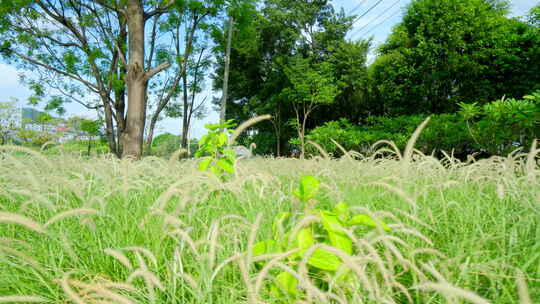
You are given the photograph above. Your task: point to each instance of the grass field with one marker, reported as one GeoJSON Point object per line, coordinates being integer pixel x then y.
{"type": "Point", "coordinates": [103, 230]}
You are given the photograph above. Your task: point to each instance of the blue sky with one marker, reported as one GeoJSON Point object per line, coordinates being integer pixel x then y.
{"type": "Point", "coordinates": [380, 17]}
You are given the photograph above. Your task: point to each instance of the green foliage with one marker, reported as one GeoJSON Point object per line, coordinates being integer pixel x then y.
{"type": "Point", "coordinates": [214, 152]}
{"type": "Point", "coordinates": [79, 147]}
{"type": "Point", "coordinates": [311, 83]}
{"type": "Point", "coordinates": [446, 132]}
{"type": "Point", "coordinates": [504, 125]}
{"type": "Point", "coordinates": [267, 52]}
{"type": "Point", "coordinates": [34, 138]}
{"type": "Point", "coordinates": [495, 128]}
{"type": "Point", "coordinates": [165, 144]}
{"type": "Point", "coordinates": [329, 229]}
{"type": "Point", "coordinates": [450, 51]}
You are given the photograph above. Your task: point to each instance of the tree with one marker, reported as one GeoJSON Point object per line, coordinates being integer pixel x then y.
{"type": "Point", "coordinates": [98, 47]}
{"type": "Point", "coordinates": [192, 85]}
{"type": "Point", "coordinates": [449, 51]}
{"type": "Point", "coordinates": [534, 16]}
{"type": "Point", "coordinates": [8, 119]}
{"type": "Point", "coordinates": [92, 129]}
{"type": "Point", "coordinates": [311, 87]}
{"type": "Point", "coordinates": [263, 44]}
{"type": "Point", "coordinates": [193, 20]}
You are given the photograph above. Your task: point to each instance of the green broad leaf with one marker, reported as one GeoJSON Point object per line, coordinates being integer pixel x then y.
{"type": "Point", "coordinates": [366, 220]}
{"type": "Point", "coordinates": [204, 163]}
{"type": "Point", "coordinates": [304, 238]}
{"type": "Point", "coordinates": [333, 225]}
{"type": "Point", "coordinates": [204, 140]}
{"type": "Point", "coordinates": [342, 211]}
{"type": "Point", "coordinates": [287, 282]}
{"type": "Point", "coordinates": [229, 154]}
{"type": "Point", "coordinates": [216, 171]}
{"type": "Point", "coordinates": [309, 186]}
{"type": "Point", "coordinates": [331, 222]}
{"type": "Point", "coordinates": [222, 139]}
{"type": "Point", "coordinates": [211, 126]}
{"type": "Point", "coordinates": [226, 165]}
{"type": "Point", "coordinates": [324, 260]}
{"type": "Point", "coordinates": [266, 247]}
{"type": "Point", "coordinates": [341, 242]}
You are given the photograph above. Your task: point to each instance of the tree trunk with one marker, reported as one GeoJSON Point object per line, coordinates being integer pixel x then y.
{"type": "Point", "coordinates": [136, 82]}
{"type": "Point", "coordinates": [185, 130]}
{"type": "Point", "coordinates": [226, 73]}
{"type": "Point", "coordinates": [109, 130]}
{"type": "Point", "coordinates": [185, 125]}
{"type": "Point", "coordinates": [89, 144]}
{"type": "Point", "coordinates": [150, 138]}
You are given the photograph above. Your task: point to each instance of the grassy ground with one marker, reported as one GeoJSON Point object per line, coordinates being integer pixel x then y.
{"type": "Point", "coordinates": [78, 230]}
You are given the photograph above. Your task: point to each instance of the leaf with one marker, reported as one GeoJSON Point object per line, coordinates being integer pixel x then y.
{"type": "Point", "coordinates": [222, 139]}
{"type": "Point", "coordinates": [304, 238]}
{"type": "Point", "coordinates": [266, 246]}
{"type": "Point", "coordinates": [204, 163]}
{"type": "Point", "coordinates": [342, 211]}
{"type": "Point", "coordinates": [324, 260]}
{"type": "Point", "coordinates": [309, 186]}
{"type": "Point", "coordinates": [366, 220]}
{"type": "Point", "coordinates": [229, 154]}
{"type": "Point", "coordinates": [287, 282]}
{"type": "Point", "coordinates": [331, 222]}
{"type": "Point", "coordinates": [341, 242]}
{"type": "Point", "coordinates": [334, 227]}
{"type": "Point", "coordinates": [226, 165]}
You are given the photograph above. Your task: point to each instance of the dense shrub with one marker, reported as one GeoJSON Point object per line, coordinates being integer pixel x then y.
{"type": "Point", "coordinates": [165, 144]}
{"type": "Point", "coordinates": [504, 125]}
{"type": "Point", "coordinates": [445, 132]}
{"type": "Point", "coordinates": [98, 146]}
{"type": "Point", "coordinates": [496, 128]}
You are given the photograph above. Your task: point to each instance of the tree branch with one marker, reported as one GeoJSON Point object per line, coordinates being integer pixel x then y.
{"type": "Point", "coordinates": [114, 8]}
{"type": "Point", "coordinates": [150, 73]}
{"type": "Point", "coordinates": [159, 10]}
{"type": "Point", "coordinates": [90, 85]}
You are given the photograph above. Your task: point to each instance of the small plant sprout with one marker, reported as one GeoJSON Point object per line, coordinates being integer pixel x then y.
{"type": "Point", "coordinates": [214, 152]}
{"type": "Point", "coordinates": [315, 242]}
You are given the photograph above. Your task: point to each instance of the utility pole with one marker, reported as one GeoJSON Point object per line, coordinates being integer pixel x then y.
{"type": "Point", "coordinates": [226, 73]}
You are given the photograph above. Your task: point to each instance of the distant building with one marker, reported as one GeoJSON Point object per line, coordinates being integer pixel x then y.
{"type": "Point", "coordinates": [29, 119]}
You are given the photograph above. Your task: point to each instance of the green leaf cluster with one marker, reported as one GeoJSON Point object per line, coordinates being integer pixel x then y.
{"type": "Point", "coordinates": [214, 153]}
{"type": "Point", "coordinates": [505, 124]}
{"type": "Point", "coordinates": [304, 242]}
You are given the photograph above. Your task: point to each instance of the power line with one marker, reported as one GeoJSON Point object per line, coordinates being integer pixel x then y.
{"type": "Point", "coordinates": [367, 11]}
{"type": "Point", "coordinates": [382, 22]}
{"type": "Point", "coordinates": [356, 7]}
{"type": "Point", "coordinates": [376, 18]}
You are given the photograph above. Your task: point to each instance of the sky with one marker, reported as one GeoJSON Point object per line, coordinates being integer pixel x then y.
{"type": "Point", "coordinates": [377, 17]}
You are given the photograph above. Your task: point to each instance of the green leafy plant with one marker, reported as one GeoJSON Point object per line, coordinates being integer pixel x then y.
{"type": "Point", "coordinates": [503, 125]}
{"type": "Point", "coordinates": [213, 151]}
{"type": "Point", "coordinates": [328, 228]}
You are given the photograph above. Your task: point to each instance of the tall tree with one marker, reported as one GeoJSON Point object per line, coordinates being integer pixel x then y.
{"type": "Point", "coordinates": [261, 51]}
{"type": "Point", "coordinates": [450, 51]}
{"type": "Point", "coordinates": [311, 86]}
{"type": "Point", "coordinates": [80, 47]}
{"type": "Point", "coordinates": [183, 29]}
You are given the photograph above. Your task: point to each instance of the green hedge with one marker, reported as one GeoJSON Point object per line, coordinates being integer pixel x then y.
{"type": "Point", "coordinates": [495, 128]}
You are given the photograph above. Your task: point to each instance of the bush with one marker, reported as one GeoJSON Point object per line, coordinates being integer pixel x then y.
{"type": "Point", "coordinates": [496, 128]}
{"type": "Point", "coordinates": [444, 132]}
{"type": "Point", "coordinates": [80, 147]}
{"type": "Point", "coordinates": [165, 144]}
{"type": "Point", "coordinates": [504, 125]}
